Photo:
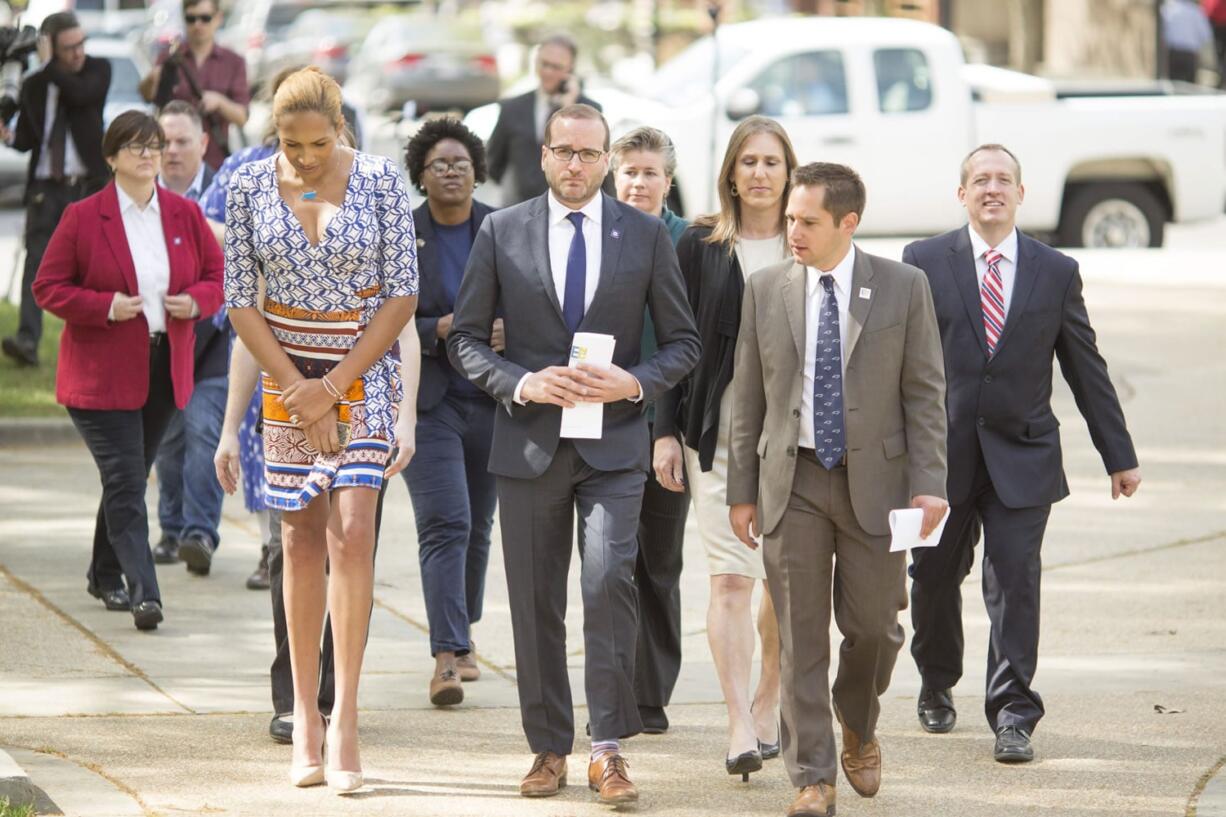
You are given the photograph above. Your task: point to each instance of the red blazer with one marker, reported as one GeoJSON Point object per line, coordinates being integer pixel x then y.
{"type": "Point", "coordinates": [104, 364]}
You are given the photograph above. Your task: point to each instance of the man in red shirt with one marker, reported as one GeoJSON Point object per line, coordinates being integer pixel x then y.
{"type": "Point", "coordinates": [203, 73]}
{"type": "Point", "coordinates": [1215, 10]}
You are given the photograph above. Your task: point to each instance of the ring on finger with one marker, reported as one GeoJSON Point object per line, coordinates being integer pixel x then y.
{"type": "Point", "coordinates": [295, 419]}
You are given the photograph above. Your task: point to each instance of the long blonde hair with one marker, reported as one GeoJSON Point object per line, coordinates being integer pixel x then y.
{"type": "Point", "coordinates": [726, 224]}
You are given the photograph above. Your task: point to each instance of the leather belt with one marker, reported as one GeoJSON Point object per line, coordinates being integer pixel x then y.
{"type": "Point", "coordinates": [812, 454]}
{"type": "Point", "coordinates": [156, 339]}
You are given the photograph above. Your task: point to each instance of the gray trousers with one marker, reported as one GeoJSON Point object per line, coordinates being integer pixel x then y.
{"type": "Point", "coordinates": [819, 558]}
{"type": "Point", "coordinates": [537, 521]}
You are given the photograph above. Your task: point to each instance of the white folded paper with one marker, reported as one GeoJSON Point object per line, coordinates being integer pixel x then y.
{"type": "Point", "coordinates": [586, 420]}
{"type": "Point", "coordinates": [905, 527]}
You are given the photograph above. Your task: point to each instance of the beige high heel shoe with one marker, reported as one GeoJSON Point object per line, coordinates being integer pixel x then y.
{"type": "Point", "coordinates": [343, 782]}
{"type": "Point", "coordinates": [305, 776]}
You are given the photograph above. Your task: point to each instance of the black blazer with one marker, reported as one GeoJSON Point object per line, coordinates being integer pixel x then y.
{"type": "Point", "coordinates": [715, 285]}
{"type": "Point", "coordinates": [83, 95]}
{"type": "Point", "coordinates": [432, 304]}
{"type": "Point", "coordinates": [1002, 406]}
{"type": "Point", "coordinates": [515, 146]}
{"type": "Point", "coordinates": [508, 272]}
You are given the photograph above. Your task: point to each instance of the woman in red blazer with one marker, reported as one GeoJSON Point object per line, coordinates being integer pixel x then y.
{"type": "Point", "coordinates": [129, 269]}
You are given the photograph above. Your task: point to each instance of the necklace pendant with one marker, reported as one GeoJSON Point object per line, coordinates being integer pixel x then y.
{"type": "Point", "coordinates": [309, 195]}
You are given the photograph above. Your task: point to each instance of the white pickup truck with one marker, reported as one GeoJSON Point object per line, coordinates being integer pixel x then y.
{"type": "Point", "coordinates": [895, 100]}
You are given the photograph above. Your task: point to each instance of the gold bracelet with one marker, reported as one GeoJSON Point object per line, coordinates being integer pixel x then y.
{"type": "Point", "coordinates": [332, 390]}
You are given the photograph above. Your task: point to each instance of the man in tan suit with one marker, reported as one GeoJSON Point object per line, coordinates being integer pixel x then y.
{"type": "Point", "coordinates": [838, 417]}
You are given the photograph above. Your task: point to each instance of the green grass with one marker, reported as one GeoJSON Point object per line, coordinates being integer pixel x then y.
{"type": "Point", "coordinates": [25, 391]}
{"type": "Point", "coordinates": [9, 810]}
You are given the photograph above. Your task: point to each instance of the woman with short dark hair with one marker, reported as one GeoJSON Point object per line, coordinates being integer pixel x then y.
{"type": "Point", "coordinates": [129, 269]}
{"type": "Point", "coordinates": [449, 482]}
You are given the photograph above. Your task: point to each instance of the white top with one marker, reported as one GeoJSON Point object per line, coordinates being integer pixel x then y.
{"type": "Point", "coordinates": [73, 166]}
{"type": "Point", "coordinates": [756, 253]}
{"type": "Point", "coordinates": [147, 243]}
{"type": "Point", "coordinates": [814, 293]}
{"type": "Point", "coordinates": [541, 112]}
{"type": "Point", "coordinates": [1007, 265]}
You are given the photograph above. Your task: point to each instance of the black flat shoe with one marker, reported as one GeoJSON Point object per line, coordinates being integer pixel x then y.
{"type": "Point", "coordinates": [770, 751]}
{"type": "Point", "coordinates": [1013, 745]}
{"type": "Point", "coordinates": [281, 729]}
{"type": "Point", "coordinates": [147, 615]}
{"type": "Point", "coordinates": [936, 710]}
{"type": "Point", "coordinates": [116, 600]}
{"type": "Point", "coordinates": [744, 763]}
{"type": "Point", "coordinates": [198, 554]}
{"type": "Point", "coordinates": [166, 551]}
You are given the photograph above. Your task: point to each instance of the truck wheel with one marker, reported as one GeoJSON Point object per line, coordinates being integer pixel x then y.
{"type": "Point", "coordinates": [1113, 215]}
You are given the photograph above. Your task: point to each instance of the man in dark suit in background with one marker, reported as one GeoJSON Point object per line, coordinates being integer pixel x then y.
{"type": "Point", "coordinates": [514, 148]}
{"type": "Point", "coordinates": [59, 121]}
{"type": "Point", "coordinates": [1006, 305]}
{"type": "Point", "coordinates": [567, 261]}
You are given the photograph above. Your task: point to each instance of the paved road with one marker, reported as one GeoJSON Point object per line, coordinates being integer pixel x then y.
{"type": "Point", "coordinates": [1134, 618]}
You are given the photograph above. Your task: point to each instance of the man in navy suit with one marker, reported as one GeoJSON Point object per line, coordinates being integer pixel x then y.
{"type": "Point", "coordinates": [1006, 304]}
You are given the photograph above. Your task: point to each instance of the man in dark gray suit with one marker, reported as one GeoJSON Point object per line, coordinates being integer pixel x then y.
{"type": "Point", "coordinates": [1007, 305]}
{"type": "Point", "coordinates": [514, 148]}
{"type": "Point", "coordinates": [572, 260]}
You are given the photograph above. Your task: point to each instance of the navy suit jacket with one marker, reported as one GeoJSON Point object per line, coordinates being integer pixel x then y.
{"type": "Point", "coordinates": [1000, 407]}
{"type": "Point", "coordinates": [432, 304]}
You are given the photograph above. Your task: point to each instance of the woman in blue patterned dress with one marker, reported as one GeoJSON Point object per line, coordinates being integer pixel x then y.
{"type": "Point", "coordinates": [330, 230]}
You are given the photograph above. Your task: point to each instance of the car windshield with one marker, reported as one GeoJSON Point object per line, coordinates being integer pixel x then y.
{"type": "Point", "coordinates": [687, 76]}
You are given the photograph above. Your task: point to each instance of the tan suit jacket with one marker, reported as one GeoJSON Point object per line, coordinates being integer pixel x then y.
{"type": "Point", "coordinates": [894, 391]}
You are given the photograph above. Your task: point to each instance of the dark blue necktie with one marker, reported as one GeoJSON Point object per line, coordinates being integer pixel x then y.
{"type": "Point", "coordinates": [576, 275]}
{"type": "Point", "coordinates": [828, 382]}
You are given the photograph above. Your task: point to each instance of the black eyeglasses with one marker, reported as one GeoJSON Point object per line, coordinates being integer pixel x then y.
{"type": "Point", "coordinates": [192, 19]}
{"type": "Point", "coordinates": [440, 167]}
{"type": "Point", "coordinates": [139, 149]}
{"type": "Point", "coordinates": [565, 154]}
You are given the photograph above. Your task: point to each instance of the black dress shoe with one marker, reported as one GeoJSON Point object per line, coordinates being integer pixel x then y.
{"type": "Point", "coordinates": [113, 599]}
{"type": "Point", "coordinates": [166, 551]}
{"type": "Point", "coordinates": [23, 354]}
{"type": "Point", "coordinates": [1013, 745]}
{"type": "Point", "coordinates": [744, 763]}
{"type": "Point", "coordinates": [147, 615]}
{"type": "Point", "coordinates": [281, 729]}
{"type": "Point", "coordinates": [259, 578]}
{"type": "Point", "coordinates": [197, 552]}
{"type": "Point", "coordinates": [655, 722]}
{"type": "Point", "coordinates": [936, 710]}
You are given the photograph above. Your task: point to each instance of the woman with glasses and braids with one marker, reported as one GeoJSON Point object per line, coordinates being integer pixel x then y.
{"type": "Point", "coordinates": [130, 270]}
{"type": "Point", "coordinates": [449, 482]}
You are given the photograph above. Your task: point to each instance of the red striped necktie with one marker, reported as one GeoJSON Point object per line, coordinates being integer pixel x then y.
{"type": "Point", "coordinates": [992, 296]}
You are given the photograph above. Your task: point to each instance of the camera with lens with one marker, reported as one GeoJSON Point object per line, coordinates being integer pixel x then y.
{"type": "Point", "coordinates": [16, 45]}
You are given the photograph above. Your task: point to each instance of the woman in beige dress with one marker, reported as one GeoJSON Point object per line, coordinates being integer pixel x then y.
{"type": "Point", "coordinates": [717, 255]}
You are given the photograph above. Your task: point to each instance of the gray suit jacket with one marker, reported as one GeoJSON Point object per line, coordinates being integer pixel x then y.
{"type": "Point", "coordinates": [509, 273]}
{"type": "Point", "coordinates": [894, 392]}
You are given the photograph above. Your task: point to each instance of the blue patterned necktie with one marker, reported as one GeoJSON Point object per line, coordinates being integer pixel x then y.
{"type": "Point", "coordinates": [828, 382]}
{"type": "Point", "coordinates": [576, 275]}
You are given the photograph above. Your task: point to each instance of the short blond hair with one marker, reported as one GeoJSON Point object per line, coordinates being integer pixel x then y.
{"type": "Point", "coordinates": [651, 140]}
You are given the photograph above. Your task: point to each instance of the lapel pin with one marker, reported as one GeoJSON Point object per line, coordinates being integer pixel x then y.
{"type": "Point", "coordinates": [865, 293]}
{"type": "Point", "coordinates": [178, 241]}
{"type": "Point", "coordinates": [614, 234]}
{"type": "Point", "coordinates": [421, 242]}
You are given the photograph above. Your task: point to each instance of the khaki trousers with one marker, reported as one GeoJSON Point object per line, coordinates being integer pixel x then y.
{"type": "Point", "coordinates": [819, 559]}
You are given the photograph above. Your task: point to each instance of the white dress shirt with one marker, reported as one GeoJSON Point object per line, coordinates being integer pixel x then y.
{"type": "Point", "coordinates": [73, 166]}
{"type": "Point", "coordinates": [814, 293]}
{"type": "Point", "coordinates": [1007, 265]}
{"type": "Point", "coordinates": [147, 243]}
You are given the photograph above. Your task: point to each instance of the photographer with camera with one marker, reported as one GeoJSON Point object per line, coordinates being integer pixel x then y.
{"type": "Point", "coordinates": [59, 120]}
{"type": "Point", "coordinates": [204, 74]}
{"type": "Point", "coordinates": [514, 148]}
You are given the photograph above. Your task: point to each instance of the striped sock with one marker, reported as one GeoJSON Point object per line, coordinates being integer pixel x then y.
{"type": "Point", "coordinates": [600, 748]}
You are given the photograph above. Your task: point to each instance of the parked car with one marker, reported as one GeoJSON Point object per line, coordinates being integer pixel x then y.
{"type": "Point", "coordinates": [128, 65]}
{"type": "Point", "coordinates": [1103, 167]}
{"type": "Point", "coordinates": [323, 37]}
{"type": "Point", "coordinates": [112, 18]}
{"type": "Point", "coordinates": [431, 62]}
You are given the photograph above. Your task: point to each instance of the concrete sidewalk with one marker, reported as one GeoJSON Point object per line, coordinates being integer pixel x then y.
{"type": "Point", "coordinates": [109, 721]}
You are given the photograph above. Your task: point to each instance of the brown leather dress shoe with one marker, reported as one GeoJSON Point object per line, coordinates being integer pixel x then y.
{"type": "Point", "coordinates": [861, 763]}
{"type": "Point", "coordinates": [466, 664]}
{"type": "Point", "coordinates": [546, 777]}
{"type": "Point", "coordinates": [607, 775]}
{"type": "Point", "coordinates": [445, 688]}
{"type": "Point", "coordinates": [814, 801]}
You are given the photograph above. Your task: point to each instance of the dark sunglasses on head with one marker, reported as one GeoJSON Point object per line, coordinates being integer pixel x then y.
{"type": "Point", "coordinates": [192, 19]}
